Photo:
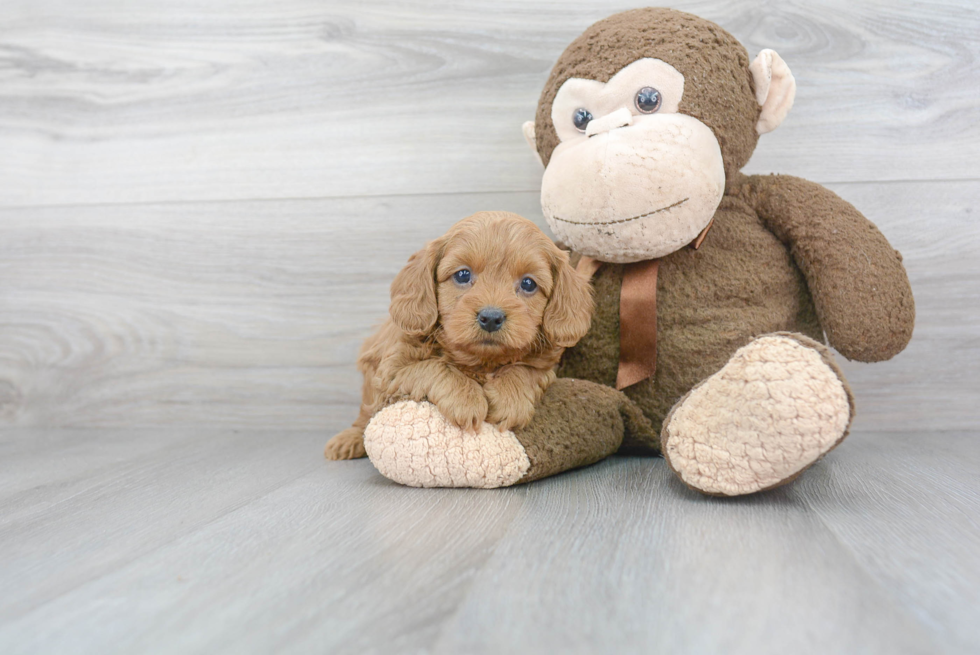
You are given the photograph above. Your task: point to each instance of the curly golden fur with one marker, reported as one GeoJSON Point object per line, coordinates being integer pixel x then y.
{"type": "Point", "coordinates": [434, 348]}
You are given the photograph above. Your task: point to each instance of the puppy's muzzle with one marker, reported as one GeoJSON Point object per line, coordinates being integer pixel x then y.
{"type": "Point", "coordinates": [490, 319]}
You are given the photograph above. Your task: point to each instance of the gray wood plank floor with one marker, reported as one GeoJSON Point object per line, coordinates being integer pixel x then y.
{"type": "Point", "coordinates": [202, 206]}
{"type": "Point", "coordinates": [242, 541]}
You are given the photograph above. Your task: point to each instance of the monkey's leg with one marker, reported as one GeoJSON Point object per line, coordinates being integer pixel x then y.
{"type": "Point", "coordinates": [776, 407]}
{"type": "Point", "coordinates": [575, 424]}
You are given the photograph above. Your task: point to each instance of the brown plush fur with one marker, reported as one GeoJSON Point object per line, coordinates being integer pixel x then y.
{"type": "Point", "coordinates": [860, 291]}
{"type": "Point", "coordinates": [745, 282]}
{"type": "Point", "coordinates": [783, 254]}
{"type": "Point", "coordinates": [432, 348]}
{"type": "Point", "coordinates": [741, 283]}
{"type": "Point", "coordinates": [578, 423]}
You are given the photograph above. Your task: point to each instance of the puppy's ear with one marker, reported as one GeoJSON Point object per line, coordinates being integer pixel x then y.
{"type": "Point", "coordinates": [414, 308]}
{"type": "Point", "coordinates": [569, 312]}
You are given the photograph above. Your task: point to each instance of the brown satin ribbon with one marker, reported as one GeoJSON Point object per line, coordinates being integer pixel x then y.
{"type": "Point", "coordinates": [638, 323]}
{"type": "Point", "coordinates": [637, 315]}
{"type": "Point", "coordinates": [697, 242]}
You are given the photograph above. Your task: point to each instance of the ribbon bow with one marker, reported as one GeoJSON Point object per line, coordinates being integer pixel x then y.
{"type": "Point", "coordinates": [637, 315]}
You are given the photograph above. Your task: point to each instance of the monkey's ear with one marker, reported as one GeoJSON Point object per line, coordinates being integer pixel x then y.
{"type": "Point", "coordinates": [775, 89]}
{"type": "Point", "coordinates": [569, 312]}
{"type": "Point", "coordinates": [414, 308]}
{"type": "Point", "coordinates": [528, 129]}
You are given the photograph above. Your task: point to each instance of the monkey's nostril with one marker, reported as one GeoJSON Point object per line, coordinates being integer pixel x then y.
{"type": "Point", "coordinates": [490, 318]}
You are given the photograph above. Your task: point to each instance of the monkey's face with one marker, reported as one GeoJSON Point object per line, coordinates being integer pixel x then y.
{"type": "Point", "coordinates": [631, 179]}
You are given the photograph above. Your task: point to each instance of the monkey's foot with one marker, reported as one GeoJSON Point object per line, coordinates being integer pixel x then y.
{"type": "Point", "coordinates": [413, 444]}
{"type": "Point", "coordinates": [776, 407]}
{"type": "Point", "coordinates": [575, 424]}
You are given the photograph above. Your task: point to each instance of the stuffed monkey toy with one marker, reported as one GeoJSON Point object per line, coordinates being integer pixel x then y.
{"type": "Point", "coordinates": [716, 292]}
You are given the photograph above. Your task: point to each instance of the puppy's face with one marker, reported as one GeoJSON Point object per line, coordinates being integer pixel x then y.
{"type": "Point", "coordinates": [493, 287]}
{"type": "Point", "coordinates": [500, 288]}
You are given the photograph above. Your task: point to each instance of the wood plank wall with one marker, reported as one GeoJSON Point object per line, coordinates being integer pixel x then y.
{"type": "Point", "coordinates": [202, 204]}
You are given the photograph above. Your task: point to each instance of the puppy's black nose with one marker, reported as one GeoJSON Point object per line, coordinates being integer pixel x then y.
{"type": "Point", "coordinates": [490, 319]}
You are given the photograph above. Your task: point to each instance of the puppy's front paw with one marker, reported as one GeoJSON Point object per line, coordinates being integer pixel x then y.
{"type": "Point", "coordinates": [510, 413]}
{"type": "Point", "coordinates": [348, 444]}
{"type": "Point", "coordinates": [511, 401]}
{"type": "Point", "coordinates": [404, 386]}
{"type": "Point", "coordinates": [467, 407]}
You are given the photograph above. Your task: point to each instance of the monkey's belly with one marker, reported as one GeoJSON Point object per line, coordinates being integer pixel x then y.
{"type": "Point", "coordinates": [740, 284]}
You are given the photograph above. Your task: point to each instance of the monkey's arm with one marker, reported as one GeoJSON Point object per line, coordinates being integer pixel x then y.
{"type": "Point", "coordinates": [859, 286]}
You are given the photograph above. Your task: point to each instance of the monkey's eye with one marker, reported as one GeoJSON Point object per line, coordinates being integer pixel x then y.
{"type": "Point", "coordinates": [462, 276]}
{"type": "Point", "coordinates": [528, 285]}
{"type": "Point", "coordinates": [581, 118]}
{"type": "Point", "coordinates": [648, 100]}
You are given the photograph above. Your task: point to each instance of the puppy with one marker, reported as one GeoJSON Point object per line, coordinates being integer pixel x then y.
{"type": "Point", "coordinates": [478, 321]}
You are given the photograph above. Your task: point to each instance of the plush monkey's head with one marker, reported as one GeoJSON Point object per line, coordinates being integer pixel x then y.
{"type": "Point", "coordinates": [641, 121]}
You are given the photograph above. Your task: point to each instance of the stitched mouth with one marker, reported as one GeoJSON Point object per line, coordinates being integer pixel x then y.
{"type": "Point", "coordinates": [623, 220]}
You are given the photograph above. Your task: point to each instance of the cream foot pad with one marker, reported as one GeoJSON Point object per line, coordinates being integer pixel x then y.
{"type": "Point", "coordinates": [773, 410]}
{"type": "Point", "coordinates": [412, 443]}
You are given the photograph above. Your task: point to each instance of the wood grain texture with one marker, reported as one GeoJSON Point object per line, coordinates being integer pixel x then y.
{"type": "Point", "coordinates": [249, 314]}
{"type": "Point", "coordinates": [211, 314]}
{"type": "Point", "coordinates": [678, 571]}
{"type": "Point", "coordinates": [225, 542]}
{"type": "Point", "coordinates": [201, 209]}
{"type": "Point", "coordinates": [118, 513]}
{"type": "Point", "coordinates": [107, 101]}
{"type": "Point", "coordinates": [287, 570]}
{"type": "Point", "coordinates": [920, 491]}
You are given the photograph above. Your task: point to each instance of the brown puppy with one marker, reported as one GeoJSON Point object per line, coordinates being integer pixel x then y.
{"type": "Point", "coordinates": [478, 321]}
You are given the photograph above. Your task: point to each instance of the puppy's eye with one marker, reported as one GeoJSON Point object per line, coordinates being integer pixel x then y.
{"type": "Point", "coordinates": [581, 118]}
{"type": "Point", "coordinates": [462, 276]}
{"type": "Point", "coordinates": [528, 285]}
{"type": "Point", "coordinates": [648, 100]}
